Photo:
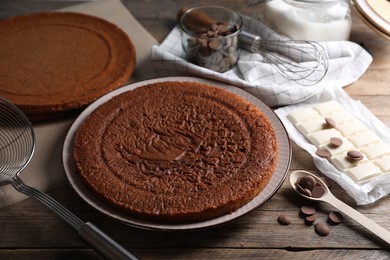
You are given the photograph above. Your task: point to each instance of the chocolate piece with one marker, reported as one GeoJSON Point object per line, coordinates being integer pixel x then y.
{"type": "Point", "coordinates": [323, 153]}
{"type": "Point", "coordinates": [284, 219]}
{"type": "Point", "coordinates": [318, 192]}
{"type": "Point", "coordinates": [355, 155]}
{"type": "Point", "coordinates": [330, 122]}
{"type": "Point", "coordinates": [335, 217]}
{"type": "Point", "coordinates": [214, 50]}
{"type": "Point", "coordinates": [310, 219]}
{"type": "Point", "coordinates": [335, 141]}
{"type": "Point", "coordinates": [322, 229]}
{"type": "Point", "coordinates": [307, 210]}
{"type": "Point", "coordinates": [307, 182]}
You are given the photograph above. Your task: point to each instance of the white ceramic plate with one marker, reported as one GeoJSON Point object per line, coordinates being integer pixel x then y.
{"type": "Point", "coordinates": [276, 181]}
{"type": "Point", "coordinates": [372, 16]}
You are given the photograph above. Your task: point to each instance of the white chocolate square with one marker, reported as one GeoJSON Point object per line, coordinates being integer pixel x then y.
{"type": "Point", "coordinates": [375, 150]}
{"type": "Point", "coordinates": [342, 162]}
{"type": "Point", "coordinates": [363, 172]}
{"type": "Point", "coordinates": [311, 125]}
{"type": "Point", "coordinates": [302, 115]}
{"type": "Point", "coordinates": [383, 163]}
{"type": "Point", "coordinates": [323, 136]}
{"type": "Point", "coordinates": [334, 150]}
{"type": "Point", "coordinates": [341, 116]}
{"type": "Point", "coordinates": [363, 138]}
{"type": "Point", "coordinates": [351, 127]}
{"type": "Point", "coordinates": [329, 107]}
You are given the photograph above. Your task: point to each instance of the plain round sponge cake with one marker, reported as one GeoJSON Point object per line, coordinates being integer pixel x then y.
{"type": "Point", "coordinates": [176, 152]}
{"type": "Point", "coordinates": [52, 63]}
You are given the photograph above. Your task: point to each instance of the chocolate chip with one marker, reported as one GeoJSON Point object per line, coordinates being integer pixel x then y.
{"type": "Point", "coordinates": [355, 155]}
{"type": "Point", "coordinates": [211, 49]}
{"type": "Point", "coordinates": [321, 229]}
{"type": "Point", "coordinates": [310, 219]}
{"type": "Point", "coordinates": [318, 192]}
{"type": "Point", "coordinates": [323, 153]}
{"type": "Point", "coordinates": [215, 44]}
{"type": "Point", "coordinates": [330, 122]}
{"type": "Point", "coordinates": [307, 210]}
{"type": "Point", "coordinates": [335, 217]}
{"type": "Point", "coordinates": [335, 141]}
{"type": "Point", "coordinates": [307, 182]}
{"type": "Point", "coordinates": [284, 219]}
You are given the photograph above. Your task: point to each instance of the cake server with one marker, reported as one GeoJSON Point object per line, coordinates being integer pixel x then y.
{"type": "Point", "coordinates": [17, 145]}
{"type": "Point", "coordinates": [328, 197]}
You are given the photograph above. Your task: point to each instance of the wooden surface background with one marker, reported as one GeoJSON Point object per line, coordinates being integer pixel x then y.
{"type": "Point", "coordinates": [29, 231]}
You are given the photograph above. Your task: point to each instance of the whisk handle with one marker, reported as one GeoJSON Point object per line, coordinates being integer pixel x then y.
{"type": "Point", "coordinates": [247, 40]}
{"type": "Point", "coordinates": [103, 243]}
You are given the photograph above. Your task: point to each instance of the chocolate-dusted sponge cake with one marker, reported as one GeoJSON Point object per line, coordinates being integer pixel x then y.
{"type": "Point", "coordinates": [55, 63]}
{"type": "Point", "coordinates": [176, 152]}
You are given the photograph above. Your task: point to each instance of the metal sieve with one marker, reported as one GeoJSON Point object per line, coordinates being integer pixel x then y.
{"type": "Point", "coordinates": [17, 145]}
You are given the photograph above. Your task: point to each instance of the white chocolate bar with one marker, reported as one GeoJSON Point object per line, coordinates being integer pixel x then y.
{"type": "Point", "coordinates": [321, 137]}
{"type": "Point", "coordinates": [383, 163]}
{"type": "Point", "coordinates": [375, 150]}
{"type": "Point", "coordinates": [302, 115]}
{"type": "Point", "coordinates": [345, 147]}
{"type": "Point", "coordinates": [363, 138]}
{"type": "Point", "coordinates": [342, 162]}
{"type": "Point", "coordinates": [364, 172]}
{"type": "Point", "coordinates": [311, 122]}
{"type": "Point", "coordinates": [341, 116]}
{"type": "Point", "coordinates": [312, 125]}
{"type": "Point", "coordinates": [327, 108]}
{"type": "Point", "coordinates": [351, 127]}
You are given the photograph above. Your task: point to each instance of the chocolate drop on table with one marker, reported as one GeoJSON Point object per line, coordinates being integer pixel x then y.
{"type": "Point", "coordinates": [335, 217]}
{"type": "Point", "coordinates": [321, 229]}
{"type": "Point", "coordinates": [284, 219]}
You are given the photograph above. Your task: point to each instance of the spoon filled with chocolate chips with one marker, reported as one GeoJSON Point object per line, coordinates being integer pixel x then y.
{"type": "Point", "coordinates": [313, 188]}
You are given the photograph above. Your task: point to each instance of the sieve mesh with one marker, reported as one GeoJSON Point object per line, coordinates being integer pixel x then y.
{"type": "Point", "coordinates": [17, 140]}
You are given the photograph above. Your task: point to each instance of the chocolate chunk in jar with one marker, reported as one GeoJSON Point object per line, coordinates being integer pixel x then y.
{"type": "Point", "coordinates": [216, 49]}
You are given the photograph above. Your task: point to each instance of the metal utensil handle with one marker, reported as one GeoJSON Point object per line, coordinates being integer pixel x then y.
{"type": "Point", "coordinates": [87, 231]}
{"type": "Point", "coordinates": [106, 245]}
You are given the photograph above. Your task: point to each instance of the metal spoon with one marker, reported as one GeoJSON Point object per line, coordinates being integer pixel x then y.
{"type": "Point", "coordinates": [328, 197]}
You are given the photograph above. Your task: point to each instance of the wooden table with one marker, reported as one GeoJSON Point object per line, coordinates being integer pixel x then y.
{"type": "Point", "coordinates": [29, 231]}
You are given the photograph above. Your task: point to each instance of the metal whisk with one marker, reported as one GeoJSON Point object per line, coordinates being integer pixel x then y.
{"type": "Point", "coordinates": [17, 145]}
{"type": "Point", "coordinates": [305, 62]}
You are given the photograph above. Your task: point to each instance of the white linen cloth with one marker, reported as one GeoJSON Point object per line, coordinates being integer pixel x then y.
{"type": "Point", "coordinates": [347, 62]}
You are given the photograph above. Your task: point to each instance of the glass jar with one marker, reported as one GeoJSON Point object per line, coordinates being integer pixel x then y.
{"type": "Point", "coordinates": [209, 36]}
{"type": "Point", "coordinates": [311, 20]}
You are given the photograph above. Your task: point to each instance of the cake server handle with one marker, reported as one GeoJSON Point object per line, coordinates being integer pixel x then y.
{"type": "Point", "coordinates": [103, 243]}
